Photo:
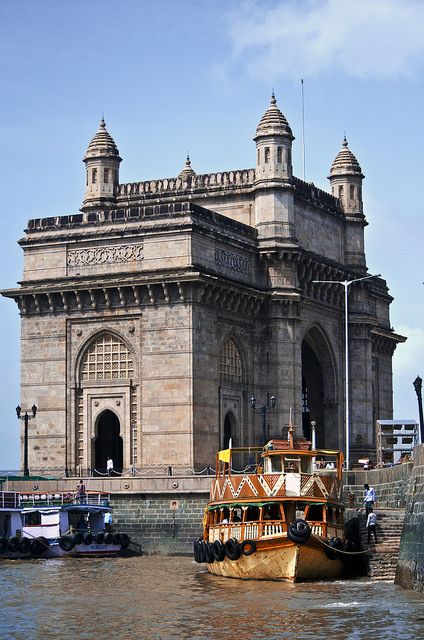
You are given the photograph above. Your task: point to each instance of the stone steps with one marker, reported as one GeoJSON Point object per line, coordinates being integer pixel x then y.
{"type": "Point", "coordinates": [383, 556]}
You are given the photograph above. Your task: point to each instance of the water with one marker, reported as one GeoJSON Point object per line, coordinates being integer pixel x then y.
{"type": "Point", "coordinates": [156, 598]}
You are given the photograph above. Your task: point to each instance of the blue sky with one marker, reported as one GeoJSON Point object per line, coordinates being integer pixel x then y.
{"type": "Point", "coordinates": [173, 76]}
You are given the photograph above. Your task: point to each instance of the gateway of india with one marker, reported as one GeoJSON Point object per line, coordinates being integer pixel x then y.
{"type": "Point", "coordinates": [150, 318]}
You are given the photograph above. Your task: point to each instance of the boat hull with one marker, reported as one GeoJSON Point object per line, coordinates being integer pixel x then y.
{"type": "Point", "coordinates": [54, 550]}
{"type": "Point", "coordinates": [281, 560]}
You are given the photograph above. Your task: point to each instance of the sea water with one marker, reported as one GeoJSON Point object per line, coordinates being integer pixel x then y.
{"type": "Point", "coordinates": [157, 598]}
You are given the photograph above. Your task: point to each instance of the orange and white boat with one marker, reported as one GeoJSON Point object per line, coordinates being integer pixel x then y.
{"type": "Point", "coordinates": [280, 517]}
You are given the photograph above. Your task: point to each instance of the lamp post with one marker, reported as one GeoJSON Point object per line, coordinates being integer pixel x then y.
{"type": "Point", "coordinates": [346, 284]}
{"type": "Point", "coordinates": [263, 409]}
{"type": "Point", "coordinates": [26, 418]}
{"type": "Point", "coordinates": [418, 385]}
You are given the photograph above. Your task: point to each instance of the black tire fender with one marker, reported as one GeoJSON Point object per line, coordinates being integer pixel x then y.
{"type": "Point", "coordinates": [25, 545]}
{"type": "Point", "coordinates": [232, 549]}
{"type": "Point", "coordinates": [100, 537]}
{"type": "Point", "coordinates": [247, 547]}
{"type": "Point", "coordinates": [39, 546]}
{"type": "Point", "coordinates": [67, 543]}
{"type": "Point", "coordinates": [88, 539]}
{"type": "Point", "coordinates": [209, 552]}
{"type": "Point", "coordinates": [78, 538]}
{"type": "Point", "coordinates": [13, 544]}
{"type": "Point", "coordinates": [3, 545]}
{"type": "Point", "coordinates": [108, 538]}
{"type": "Point", "coordinates": [117, 538]}
{"type": "Point", "coordinates": [125, 540]}
{"type": "Point", "coordinates": [299, 531]}
{"type": "Point", "coordinates": [219, 550]}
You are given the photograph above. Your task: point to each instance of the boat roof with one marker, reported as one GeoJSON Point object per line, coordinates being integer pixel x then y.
{"type": "Point", "coordinates": [86, 508]}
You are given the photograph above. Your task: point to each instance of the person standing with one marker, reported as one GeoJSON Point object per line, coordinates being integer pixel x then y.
{"type": "Point", "coordinates": [109, 466]}
{"type": "Point", "coordinates": [81, 492]}
{"type": "Point", "coordinates": [369, 498]}
{"type": "Point", "coordinates": [372, 525]}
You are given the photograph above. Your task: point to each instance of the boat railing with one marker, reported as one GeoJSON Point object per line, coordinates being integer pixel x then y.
{"type": "Point", "coordinates": [9, 500]}
{"type": "Point", "coordinates": [246, 530]}
{"type": "Point", "coordinates": [38, 499]}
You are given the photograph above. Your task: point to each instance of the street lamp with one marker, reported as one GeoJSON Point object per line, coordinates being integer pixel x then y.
{"type": "Point", "coordinates": [418, 385]}
{"type": "Point", "coordinates": [26, 418]}
{"type": "Point", "coordinates": [346, 284]}
{"type": "Point", "coordinates": [263, 409]}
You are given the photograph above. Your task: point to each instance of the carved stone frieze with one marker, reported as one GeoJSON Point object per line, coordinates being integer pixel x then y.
{"type": "Point", "coordinates": [232, 261]}
{"type": "Point", "coordinates": [104, 255]}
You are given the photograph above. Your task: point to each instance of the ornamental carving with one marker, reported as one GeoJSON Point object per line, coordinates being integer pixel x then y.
{"type": "Point", "coordinates": [232, 261]}
{"type": "Point", "coordinates": [105, 255]}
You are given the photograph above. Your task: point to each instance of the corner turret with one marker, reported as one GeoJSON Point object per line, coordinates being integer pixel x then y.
{"type": "Point", "coordinates": [102, 162]}
{"type": "Point", "coordinates": [346, 180]}
{"type": "Point", "coordinates": [273, 145]}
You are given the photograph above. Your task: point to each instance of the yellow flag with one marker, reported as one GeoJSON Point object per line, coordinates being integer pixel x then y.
{"type": "Point", "coordinates": [224, 455]}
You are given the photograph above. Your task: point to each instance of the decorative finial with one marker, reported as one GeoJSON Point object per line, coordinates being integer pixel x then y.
{"type": "Point", "coordinates": [344, 140]}
{"type": "Point", "coordinates": [102, 121]}
{"type": "Point", "coordinates": [273, 100]}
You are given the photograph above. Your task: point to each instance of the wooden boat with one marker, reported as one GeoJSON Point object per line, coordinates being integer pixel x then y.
{"type": "Point", "coordinates": [53, 525]}
{"type": "Point", "coordinates": [280, 518]}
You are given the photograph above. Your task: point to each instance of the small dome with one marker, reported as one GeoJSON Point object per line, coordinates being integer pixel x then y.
{"type": "Point", "coordinates": [345, 162]}
{"type": "Point", "coordinates": [102, 145]}
{"type": "Point", "coordinates": [188, 169]}
{"type": "Point", "coordinates": [273, 122]}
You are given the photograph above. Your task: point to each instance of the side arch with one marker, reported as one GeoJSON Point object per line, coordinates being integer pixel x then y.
{"type": "Point", "coordinates": [232, 385]}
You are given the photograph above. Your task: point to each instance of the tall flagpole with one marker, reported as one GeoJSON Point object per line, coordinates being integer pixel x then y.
{"type": "Point", "coordinates": [303, 132]}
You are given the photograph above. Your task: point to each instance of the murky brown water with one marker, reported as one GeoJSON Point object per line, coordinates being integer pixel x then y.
{"type": "Point", "coordinates": [156, 598]}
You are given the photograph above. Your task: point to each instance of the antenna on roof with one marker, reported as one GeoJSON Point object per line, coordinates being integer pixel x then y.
{"type": "Point", "coordinates": [303, 130]}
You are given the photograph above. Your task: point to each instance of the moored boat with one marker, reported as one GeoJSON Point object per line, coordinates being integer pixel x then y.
{"type": "Point", "coordinates": [280, 517]}
{"type": "Point", "coordinates": [53, 525]}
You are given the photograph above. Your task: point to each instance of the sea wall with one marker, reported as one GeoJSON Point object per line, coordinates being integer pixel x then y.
{"type": "Point", "coordinates": [410, 567]}
{"type": "Point", "coordinates": [391, 485]}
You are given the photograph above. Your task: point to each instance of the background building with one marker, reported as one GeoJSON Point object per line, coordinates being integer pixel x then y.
{"type": "Point", "coordinates": [151, 317]}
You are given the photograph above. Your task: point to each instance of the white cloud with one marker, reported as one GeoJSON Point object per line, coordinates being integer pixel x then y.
{"type": "Point", "coordinates": [361, 38]}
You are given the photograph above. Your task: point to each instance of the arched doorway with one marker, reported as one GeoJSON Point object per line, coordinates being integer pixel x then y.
{"type": "Point", "coordinates": [108, 442]}
{"type": "Point", "coordinates": [229, 424]}
{"type": "Point", "coordinates": [319, 392]}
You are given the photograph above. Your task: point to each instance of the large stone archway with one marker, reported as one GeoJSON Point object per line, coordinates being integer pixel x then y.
{"type": "Point", "coordinates": [319, 390]}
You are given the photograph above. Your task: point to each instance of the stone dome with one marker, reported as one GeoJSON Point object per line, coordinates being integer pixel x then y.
{"type": "Point", "coordinates": [102, 145]}
{"type": "Point", "coordinates": [345, 162]}
{"type": "Point", "coordinates": [273, 122]}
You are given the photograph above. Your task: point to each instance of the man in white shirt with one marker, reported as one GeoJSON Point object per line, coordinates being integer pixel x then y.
{"type": "Point", "coordinates": [369, 498]}
{"type": "Point", "coordinates": [371, 526]}
{"type": "Point", "coordinates": [109, 466]}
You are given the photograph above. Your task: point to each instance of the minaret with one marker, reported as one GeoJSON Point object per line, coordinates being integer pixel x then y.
{"type": "Point", "coordinates": [346, 184]}
{"type": "Point", "coordinates": [273, 145]}
{"type": "Point", "coordinates": [346, 181]}
{"type": "Point", "coordinates": [274, 208]}
{"type": "Point", "coordinates": [102, 169]}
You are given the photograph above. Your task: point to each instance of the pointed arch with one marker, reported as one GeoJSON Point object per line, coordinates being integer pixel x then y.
{"type": "Point", "coordinates": [320, 388]}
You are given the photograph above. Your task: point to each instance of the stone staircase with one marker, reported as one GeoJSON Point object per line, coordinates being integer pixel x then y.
{"type": "Point", "coordinates": [383, 555]}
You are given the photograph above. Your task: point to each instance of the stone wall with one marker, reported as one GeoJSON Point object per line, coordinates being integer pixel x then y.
{"type": "Point", "coordinates": [410, 568]}
{"type": "Point", "coordinates": [165, 524]}
{"type": "Point", "coordinates": [391, 485]}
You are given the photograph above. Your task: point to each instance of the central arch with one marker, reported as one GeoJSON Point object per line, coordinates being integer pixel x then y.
{"type": "Point", "coordinates": [319, 390]}
{"type": "Point", "coordinates": [108, 442]}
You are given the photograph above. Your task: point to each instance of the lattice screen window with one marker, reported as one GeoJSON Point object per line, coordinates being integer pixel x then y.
{"type": "Point", "coordinates": [107, 358]}
{"type": "Point", "coordinates": [230, 363]}
{"type": "Point", "coordinates": [134, 434]}
{"type": "Point", "coordinates": [80, 430]}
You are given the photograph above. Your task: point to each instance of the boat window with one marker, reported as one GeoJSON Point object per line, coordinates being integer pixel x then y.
{"type": "Point", "coordinates": [330, 514]}
{"type": "Point", "coordinates": [314, 512]}
{"type": "Point", "coordinates": [236, 515]}
{"type": "Point", "coordinates": [291, 465]}
{"type": "Point", "coordinates": [271, 512]}
{"type": "Point", "coordinates": [252, 514]}
{"type": "Point", "coordinates": [32, 519]}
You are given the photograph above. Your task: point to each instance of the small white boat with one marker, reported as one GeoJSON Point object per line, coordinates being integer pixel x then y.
{"type": "Point", "coordinates": [52, 525]}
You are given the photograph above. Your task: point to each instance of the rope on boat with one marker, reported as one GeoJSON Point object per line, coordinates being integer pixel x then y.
{"type": "Point", "coordinates": [349, 553]}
